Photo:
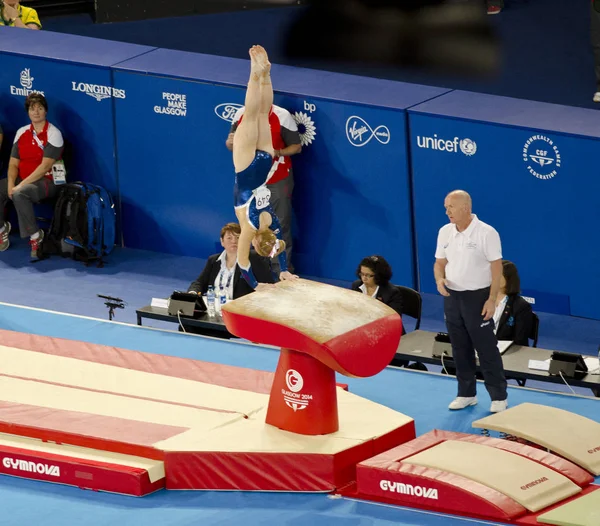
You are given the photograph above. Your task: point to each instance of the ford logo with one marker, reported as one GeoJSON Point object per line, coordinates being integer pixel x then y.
{"type": "Point", "coordinates": [227, 111]}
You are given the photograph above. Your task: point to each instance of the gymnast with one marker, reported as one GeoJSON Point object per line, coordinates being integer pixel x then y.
{"type": "Point", "coordinates": [253, 162]}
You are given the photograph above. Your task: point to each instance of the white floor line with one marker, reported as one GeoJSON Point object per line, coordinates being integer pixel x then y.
{"type": "Point", "coordinates": [424, 512]}
{"type": "Point", "coordinates": [144, 327]}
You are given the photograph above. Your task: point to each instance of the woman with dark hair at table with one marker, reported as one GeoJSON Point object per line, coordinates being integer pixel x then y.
{"type": "Point", "coordinates": [374, 274]}
{"type": "Point", "coordinates": [513, 317]}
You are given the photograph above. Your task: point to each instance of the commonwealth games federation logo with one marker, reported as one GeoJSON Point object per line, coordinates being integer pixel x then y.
{"type": "Point", "coordinates": [359, 133]}
{"type": "Point", "coordinates": [541, 157]}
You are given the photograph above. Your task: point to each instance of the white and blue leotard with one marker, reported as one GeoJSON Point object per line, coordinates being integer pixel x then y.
{"type": "Point", "coordinates": [247, 183]}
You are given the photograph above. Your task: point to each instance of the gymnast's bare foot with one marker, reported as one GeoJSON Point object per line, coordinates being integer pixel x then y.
{"type": "Point", "coordinates": [262, 58]}
{"type": "Point", "coordinates": [256, 68]}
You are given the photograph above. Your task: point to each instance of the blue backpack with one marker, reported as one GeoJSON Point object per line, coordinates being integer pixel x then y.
{"type": "Point", "coordinates": [83, 225]}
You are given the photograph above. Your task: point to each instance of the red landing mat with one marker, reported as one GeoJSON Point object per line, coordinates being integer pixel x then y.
{"type": "Point", "coordinates": [497, 480]}
{"type": "Point", "coordinates": [206, 422]}
{"type": "Point", "coordinates": [80, 467]}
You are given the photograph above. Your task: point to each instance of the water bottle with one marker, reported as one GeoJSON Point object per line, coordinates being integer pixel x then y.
{"type": "Point", "coordinates": [222, 298]}
{"type": "Point", "coordinates": [210, 301]}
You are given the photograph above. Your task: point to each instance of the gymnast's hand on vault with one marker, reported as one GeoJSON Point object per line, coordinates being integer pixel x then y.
{"type": "Point", "coordinates": [287, 276]}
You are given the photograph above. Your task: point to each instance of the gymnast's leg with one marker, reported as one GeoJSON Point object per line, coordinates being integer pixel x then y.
{"type": "Point", "coordinates": [246, 136]}
{"type": "Point", "coordinates": [265, 138]}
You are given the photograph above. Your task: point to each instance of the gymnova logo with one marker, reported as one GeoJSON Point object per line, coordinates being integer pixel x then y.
{"type": "Point", "coordinates": [31, 467]}
{"type": "Point", "coordinates": [26, 81]}
{"type": "Point", "coordinates": [541, 157]}
{"type": "Point", "coordinates": [534, 483]}
{"type": "Point", "coordinates": [98, 92]}
{"type": "Point", "coordinates": [409, 489]}
{"type": "Point", "coordinates": [359, 133]}
{"type": "Point", "coordinates": [466, 146]}
{"type": "Point", "coordinates": [306, 128]}
{"type": "Point", "coordinates": [227, 111]}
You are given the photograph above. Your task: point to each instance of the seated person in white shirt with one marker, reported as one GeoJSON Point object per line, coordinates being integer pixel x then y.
{"type": "Point", "coordinates": [221, 270]}
{"type": "Point", "coordinates": [513, 318]}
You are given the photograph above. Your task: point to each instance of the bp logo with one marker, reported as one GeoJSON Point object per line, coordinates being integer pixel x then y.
{"type": "Point", "coordinates": [541, 157]}
{"type": "Point", "coordinates": [306, 128]}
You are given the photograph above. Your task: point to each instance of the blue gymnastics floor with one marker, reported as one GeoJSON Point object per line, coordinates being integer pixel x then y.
{"type": "Point", "coordinates": [423, 396]}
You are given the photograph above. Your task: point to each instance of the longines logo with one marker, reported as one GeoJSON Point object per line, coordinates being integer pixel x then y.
{"type": "Point", "coordinates": [26, 81]}
{"type": "Point", "coordinates": [98, 92]}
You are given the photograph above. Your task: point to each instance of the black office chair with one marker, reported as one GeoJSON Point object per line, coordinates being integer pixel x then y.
{"type": "Point", "coordinates": [535, 327]}
{"type": "Point", "coordinates": [411, 303]}
{"type": "Point", "coordinates": [533, 335]}
{"type": "Point", "coordinates": [411, 306]}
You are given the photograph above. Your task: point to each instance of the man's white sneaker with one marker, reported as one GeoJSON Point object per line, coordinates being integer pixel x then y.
{"type": "Point", "coordinates": [596, 97]}
{"type": "Point", "coordinates": [460, 402]}
{"type": "Point", "coordinates": [498, 406]}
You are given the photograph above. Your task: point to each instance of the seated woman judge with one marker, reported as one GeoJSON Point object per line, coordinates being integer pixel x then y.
{"type": "Point", "coordinates": [221, 271]}
{"type": "Point", "coordinates": [374, 274]}
{"type": "Point", "coordinates": [513, 318]}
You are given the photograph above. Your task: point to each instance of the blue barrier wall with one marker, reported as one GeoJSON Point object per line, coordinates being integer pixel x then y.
{"type": "Point", "coordinates": [532, 177]}
{"type": "Point", "coordinates": [352, 187]}
{"type": "Point", "coordinates": [75, 76]}
{"type": "Point", "coordinates": [528, 165]}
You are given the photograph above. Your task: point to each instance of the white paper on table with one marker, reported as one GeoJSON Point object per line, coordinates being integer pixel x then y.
{"type": "Point", "coordinates": [540, 365]}
{"type": "Point", "coordinates": [160, 302]}
{"type": "Point", "coordinates": [593, 364]}
{"type": "Point", "coordinates": [503, 345]}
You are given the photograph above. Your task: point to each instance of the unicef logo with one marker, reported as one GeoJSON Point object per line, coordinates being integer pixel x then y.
{"type": "Point", "coordinates": [227, 111]}
{"type": "Point", "coordinates": [359, 133]}
{"type": "Point", "coordinates": [468, 147]}
{"type": "Point", "coordinates": [294, 380]}
{"type": "Point", "coordinates": [541, 157]}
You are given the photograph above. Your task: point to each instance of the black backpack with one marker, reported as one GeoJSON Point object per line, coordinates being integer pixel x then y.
{"type": "Point", "coordinates": [83, 226]}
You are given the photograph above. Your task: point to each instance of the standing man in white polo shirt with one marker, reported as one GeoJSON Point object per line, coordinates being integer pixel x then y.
{"type": "Point", "coordinates": [468, 268]}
